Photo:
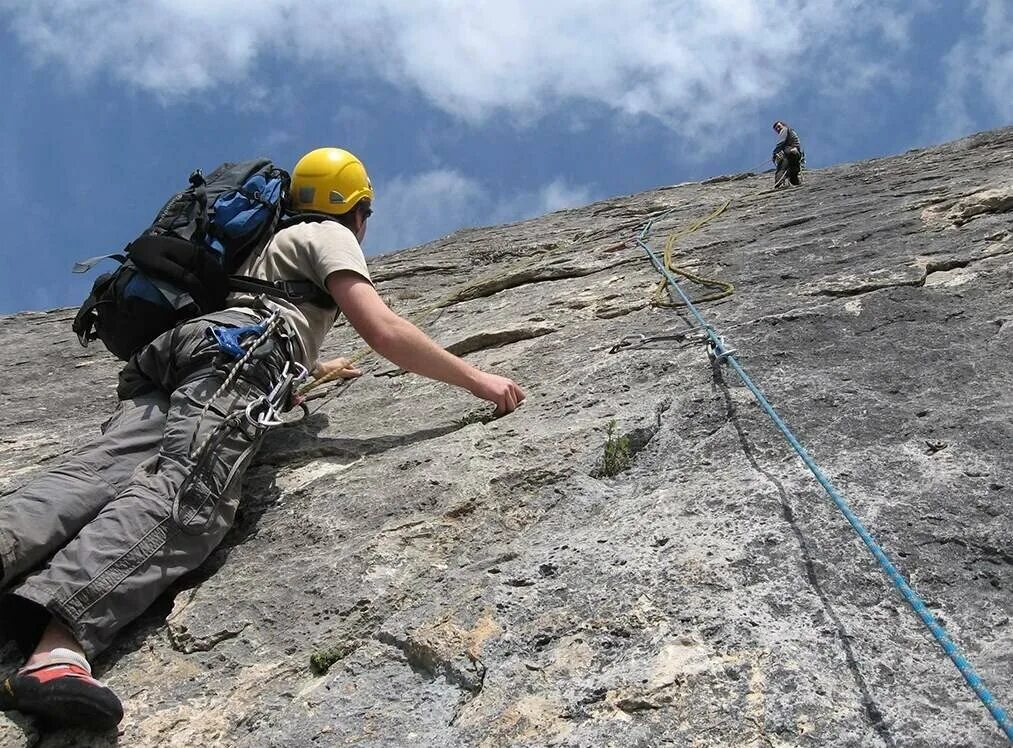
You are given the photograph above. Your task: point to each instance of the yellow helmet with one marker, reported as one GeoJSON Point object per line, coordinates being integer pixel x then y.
{"type": "Point", "coordinates": [329, 180]}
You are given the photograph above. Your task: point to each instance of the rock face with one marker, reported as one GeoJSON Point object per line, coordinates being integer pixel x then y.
{"type": "Point", "coordinates": [407, 571]}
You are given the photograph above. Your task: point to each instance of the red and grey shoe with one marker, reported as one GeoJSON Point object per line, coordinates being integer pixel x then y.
{"type": "Point", "coordinates": [61, 691]}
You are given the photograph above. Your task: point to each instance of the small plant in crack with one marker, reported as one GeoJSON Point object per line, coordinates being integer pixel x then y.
{"type": "Point", "coordinates": [616, 456]}
{"type": "Point", "coordinates": [476, 416]}
{"type": "Point", "coordinates": [322, 660]}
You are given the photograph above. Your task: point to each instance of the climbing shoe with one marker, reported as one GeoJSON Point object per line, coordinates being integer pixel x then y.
{"type": "Point", "coordinates": [61, 692]}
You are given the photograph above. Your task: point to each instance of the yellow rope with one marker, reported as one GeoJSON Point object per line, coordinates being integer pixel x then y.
{"type": "Point", "coordinates": [464, 292]}
{"type": "Point", "coordinates": [724, 287]}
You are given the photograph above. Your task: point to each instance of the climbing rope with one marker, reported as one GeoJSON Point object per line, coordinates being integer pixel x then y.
{"type": "Point", "coordinates": [721, 353]}
{"type": "Point", "coordinates": [724, 287]}
{"type": "Point", "coordinates": [467, 291]}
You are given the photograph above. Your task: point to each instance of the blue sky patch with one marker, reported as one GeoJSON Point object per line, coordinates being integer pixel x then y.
{"type": "Point", "coordinates": [464, 113]}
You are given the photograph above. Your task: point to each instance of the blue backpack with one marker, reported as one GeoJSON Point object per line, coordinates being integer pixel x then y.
{"type": "Point", "coordinates": [184, 264]}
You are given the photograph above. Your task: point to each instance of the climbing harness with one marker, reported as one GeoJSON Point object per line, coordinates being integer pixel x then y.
{"type": "Point", "coordinates": [260, 414]}
{"type": "Point", "coordinates": [721, 353]}
{"type": "Point", "coordinates": [228, 340]}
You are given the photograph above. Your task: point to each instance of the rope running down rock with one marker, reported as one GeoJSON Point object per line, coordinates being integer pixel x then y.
{"type": "Point", "coordinates": [721, 353]}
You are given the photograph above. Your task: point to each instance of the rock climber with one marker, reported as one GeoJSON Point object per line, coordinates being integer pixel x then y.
{"type": "Point", "coordinates": [788, 156]}
{"type": "Point", "coordinates": [87, 547]}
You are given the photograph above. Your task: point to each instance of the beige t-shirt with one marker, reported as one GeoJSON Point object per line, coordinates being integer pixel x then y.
{"type": "Point", "coordinates": [306, 251]}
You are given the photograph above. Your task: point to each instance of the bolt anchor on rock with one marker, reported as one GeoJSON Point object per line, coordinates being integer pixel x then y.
{"type": "Point", "coordinates": [719, 351]}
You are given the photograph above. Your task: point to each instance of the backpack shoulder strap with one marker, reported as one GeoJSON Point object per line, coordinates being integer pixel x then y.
{"type": "Point", "coordinates": [294, 219]}
{"type": "Point", "coordinates": [298, 292]}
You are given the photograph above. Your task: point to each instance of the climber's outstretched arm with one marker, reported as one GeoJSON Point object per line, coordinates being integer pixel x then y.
{"type": "Point", "coordinates": [402, 343]}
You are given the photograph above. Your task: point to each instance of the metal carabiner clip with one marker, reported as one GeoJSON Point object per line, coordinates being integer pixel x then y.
{"type": "Point", "coordinates": [628, 342]}
{"type": "Point", "coordinates": [265, 420]}
{"type": "Point", "coordinates": [277, 398]}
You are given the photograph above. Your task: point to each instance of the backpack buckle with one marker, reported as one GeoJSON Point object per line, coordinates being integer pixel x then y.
{"type": "Point", "coordinates": [295, 291]}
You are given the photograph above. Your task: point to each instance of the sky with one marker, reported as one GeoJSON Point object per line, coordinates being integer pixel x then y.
{"type": "Point", "coordinates": [465, 112]}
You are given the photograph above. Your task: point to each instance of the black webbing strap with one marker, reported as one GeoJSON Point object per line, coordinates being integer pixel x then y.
{"type": "Point", "coordinates": [298, 292]}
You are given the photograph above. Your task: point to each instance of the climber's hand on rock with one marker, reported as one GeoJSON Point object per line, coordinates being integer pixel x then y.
{"type": "Point", "coordinates": [505, 393]}
{"type": "Point", "coordinates": [335, 368]}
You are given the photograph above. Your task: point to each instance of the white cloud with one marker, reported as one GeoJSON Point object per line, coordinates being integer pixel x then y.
{"type": "Point", "coordinates": [556, 195]}
{"type": "Point", "coordinates": [688, 63]}
{"type": "Point", "coordinates": [978, 64]}
{"type": "Point", "coordinates": [415, 209]}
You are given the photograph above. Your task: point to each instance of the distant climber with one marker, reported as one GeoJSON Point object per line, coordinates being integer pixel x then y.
{"type": "Point", "coordinates": [87, 547]}
{"type": "Point", "coordinates": [788, 156]}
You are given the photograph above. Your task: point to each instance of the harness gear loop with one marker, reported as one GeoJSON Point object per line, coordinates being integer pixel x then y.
{"type": "Point", "coordinates": [269, 325]}
{"type": "Point", "coordinates": [277, 399]}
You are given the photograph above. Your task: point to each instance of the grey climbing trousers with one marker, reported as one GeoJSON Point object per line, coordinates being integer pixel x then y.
{"type": "Point", "coordinates": [96, 540]}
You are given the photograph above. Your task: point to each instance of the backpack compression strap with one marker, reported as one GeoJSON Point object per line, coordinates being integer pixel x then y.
{"type": "Point", "coordinates": [298, 292]}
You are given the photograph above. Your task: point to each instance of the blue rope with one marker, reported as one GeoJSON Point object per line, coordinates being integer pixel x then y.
{"type": "Point", "coordinates": [938, 632]}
